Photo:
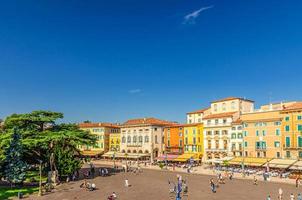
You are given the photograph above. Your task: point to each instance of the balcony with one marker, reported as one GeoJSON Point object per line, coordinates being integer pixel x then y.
{"type": "Point", "coordinates": [134, 144]}
{"type": "Point", "coordinates": [217, 150]}
{"type": "Point", "coordinates": [261, 148]}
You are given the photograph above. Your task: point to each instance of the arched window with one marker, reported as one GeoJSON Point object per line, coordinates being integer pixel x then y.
{"type": "Point", "coordinates": [123, 151]}
{"type": "Point", "coordinates": [146, 138]}
{"type": "Point", "coordinates": [134, 151]}
{"type": "Point", "coordinates": [129, 139]}
{"type": "Point", "coordinates": [140, 139]}
{"type": "Point", "coordinates": [134, 139]}
{"type": "Point", "coordinates": [146, 151]}
{"type": "Point", "coordinates": [123, 139]}
{"type": "Point", "coordinates": [140, 151]}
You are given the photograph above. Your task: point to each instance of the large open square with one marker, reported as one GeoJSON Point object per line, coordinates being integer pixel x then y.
{"type": "Point", "coordinates": [153, 184]}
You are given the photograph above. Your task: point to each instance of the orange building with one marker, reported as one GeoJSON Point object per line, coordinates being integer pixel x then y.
{"type": "Point", "coordinates": [174, 139]}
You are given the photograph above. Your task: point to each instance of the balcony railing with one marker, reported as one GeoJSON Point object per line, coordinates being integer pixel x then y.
{"type": "Point", "coordinates": [261, 148]}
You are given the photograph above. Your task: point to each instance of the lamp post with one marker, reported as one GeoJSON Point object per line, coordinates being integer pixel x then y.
{"type": "Point", "coordinates": [40, 181]}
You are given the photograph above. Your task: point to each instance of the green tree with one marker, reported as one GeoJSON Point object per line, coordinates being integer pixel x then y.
{"type": "Point", "coordinates": [46, 140]}
{"type": "Point", "coordinates": [14, 167]}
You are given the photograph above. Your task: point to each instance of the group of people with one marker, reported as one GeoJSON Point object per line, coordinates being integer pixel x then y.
{"type": "Point", "coordinates": [103, 172]}
{"type": "Point", "coordinates": [220, 180]}
{"type": "Point", "coordinates": [88, 186]}
{"type": "Point", "coordinates": [280, 196]}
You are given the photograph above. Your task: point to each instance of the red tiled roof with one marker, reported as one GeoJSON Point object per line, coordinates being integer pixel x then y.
{"type": "Point", "coordinates": [295, 106]}
{"type": "Point", "coordinates": [198, 111]}
{"type": "Point", "coordinates": [238, 121]}
{"type": "Point", "coordinates": [220, 115]}
{"type": "Point", "coordinates": [150, 121]}
{"type": "Point", "coordinates": [92, 125]}
{"type": "Point", "coordinates": [231, 98]}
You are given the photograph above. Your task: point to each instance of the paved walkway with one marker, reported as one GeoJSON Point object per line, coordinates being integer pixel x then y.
{"type": "Point", "coordinates": [153, 185]}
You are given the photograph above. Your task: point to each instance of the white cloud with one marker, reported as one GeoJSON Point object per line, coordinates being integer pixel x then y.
{"type": "Point", "coordinates": [190, 18]}
{"type": "Point", "coordinates": [134, 91]}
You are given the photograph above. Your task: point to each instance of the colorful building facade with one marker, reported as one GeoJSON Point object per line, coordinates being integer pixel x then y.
{"type": "Point", "coordinates": [144, 135]}
{"type": "Point", "coordinates": [236, 140]}
{"type": "Point", "coordinates": [174, 139]}
{"type": "Point", "coordinates": [292, 130]}
{"type": "Point", "coordinates": [102, 132]}
{"type": "Point", "coordinates": [193, 139]}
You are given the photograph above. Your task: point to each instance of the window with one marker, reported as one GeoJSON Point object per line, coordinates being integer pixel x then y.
{"type": "Point", "coordinates": [223, 107]}
{"type": "Point", "coordinates": [186, 132]}
{"type": "Point", "coordinates": [245, 133]}
{"type": "Point", "coordinates": [190, 121]}
{"type": "Point", "coordinates": [245, 144]}
{"type": "Point", "coordinates": [123, 139]}
{"type": "Point", "coordinates": [288, 154]}
{"type": "Point", "coordinates": [300, 154]}
{"type": "Point", "coordinates": [233, 105]}
{"type": "Point", "coordinates": [257, 133]}
{"type": "Point", "coordinates": [264, 132]}
{"type": "Point", "coordinates": [287, 142]}
{"type": "Point", "coordinates": [199, 120]}
{"type": "Point", "coordinates": [194, 132]}
{"type": "Point", "coordinates": [277, 144]}
{"type": "Point", "coordinates": [287, 118]}
{"type": "Point", "coordinates": [239, 128]}
{"type": "Point", "coordinates": [239, 136]}
{"type": "Point", "coordinates": [299, 117]}
{"type": "Point", "coordinates": [180, 134]}
{"type": "Point", "coordinates": [186, 140]}
{"type": "Point", "coordinates": [299, 127]}
{"type": "Point", "coordinates": [278, 155]}
{"type": "Point", "coordinates": [245, 125]}
{"type": "Point", "coordinates": [299, 141]}
{"type": "Point", "coordinates": [155, 139]}
{"type": "Point", "coordinates": [129, 139]}
{"type": "Point", "coordinates": [180, 143]}
{"type": "Point", "coordinates": [215, 107]}
{"type": "Point", "coordinates": [224, 121]}
{"type": "Point", "coordinates": [234, 136]}
{"type": "Point", "coordinates": [146, 139]}
{"type": "Point", "coordinates": [209, 122]}
{"type": "Point", "coordinates": [168, 143]}
{"type": "Point", "coordinates": [134, 139]}
{"type": "Point", "coordinates": [287, 128]}
{"type": "Point", "coordinates": [277, 123]}
{"type": "Point", "coordinates": [277, 132]}
{"type": "Point", "coordinates": [216, 121]}
{"type": "Point", "coordinates": [194, 140]}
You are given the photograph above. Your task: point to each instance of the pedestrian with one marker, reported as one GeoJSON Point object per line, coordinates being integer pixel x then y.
{"type": "Point", "coordinates": [127, 183]}
{"type": "Point", "coordinates": [280, 194]}
{"type": "Point", "coordinates": [299, 197]}
{"type": "Point", "coordinates": [292, 196]}
{"type": "Point", "coordinates": [255, 180]}
{"type": "Point", "coordinates": [213, 186]}
{"type": "Point", "coordinates": [297, 181]}
{"type": "Point", "coordinates": [268, 197]}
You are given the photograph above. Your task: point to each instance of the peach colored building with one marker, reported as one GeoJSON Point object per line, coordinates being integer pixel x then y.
{"type": "Point", "coordinates": [262, 132]}
{"type": "Point", "coordinates": [292, 130]}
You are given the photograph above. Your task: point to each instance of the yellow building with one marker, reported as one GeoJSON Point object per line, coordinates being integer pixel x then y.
{"type": "Point", "coordinates": [193, 139]}
{"type": "Point", "coordinates": [102, 132]}
{"type": "Point", "coordinates": [114, 142]}
{"type": "Point", "coordinates": [292, 130]}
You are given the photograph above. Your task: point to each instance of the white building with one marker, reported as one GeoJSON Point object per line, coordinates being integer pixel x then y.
{"type": "Point", "coordinates": [143, 136]}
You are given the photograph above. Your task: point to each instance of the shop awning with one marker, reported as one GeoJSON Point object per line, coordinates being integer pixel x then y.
{"type": "Point", "coordinates": [249, 161]}
{"type": "Point", "coordinates": [91, 153]}
{"type": "Point", "coordinates": [219, 160]}
{"type": "Point", "coordinates": [124, 155]}
{"type": "Point", "coordinates": [169, 157]}
{"type": "Point", "coordinates": [281, 163]}
{"type": "Point", "coordinates": [297, 165]}
{"type": "Point", "coordinates": [185, 157]}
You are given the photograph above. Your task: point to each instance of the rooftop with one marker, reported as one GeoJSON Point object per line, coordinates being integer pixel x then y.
{"type": "Point", "coordinates": [100, 124]}
{"type": "Point", "coordinates": [220, 115]}
{"type": "Point", "coordinates": [198, 111]}
{"type": "Point", "coordinates": [232, 98]}
{"type": "Point", "coordinates": [149, 121]}
{"type": "Point", "coordinates": [295, 106]}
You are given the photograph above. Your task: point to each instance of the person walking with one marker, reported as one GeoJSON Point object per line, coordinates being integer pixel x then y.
{"type": "Point", "coordinates": [292, 196]}
{"type": "Point", "coordinates": [297, 182]}
{"type": "Point", "coordinates": [268, 197]}
{"type": "Point", "coordinates": [299, 197]}
{"type": "Point", "coordinates": [127, 183]}
{"type": "Point", "coordinates": [213, 186]}
{"type": "Point", "coordinates": [280, 194]}
{"type": "Point", "coordinates": [255, 180]}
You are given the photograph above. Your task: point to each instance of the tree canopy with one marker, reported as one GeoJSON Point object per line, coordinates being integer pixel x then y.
{"type": "Point", "coordinates": [46, 140]}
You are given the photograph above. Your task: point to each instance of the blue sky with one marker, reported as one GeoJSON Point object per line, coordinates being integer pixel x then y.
{"type": "Point", "coordinates": [115, 60]}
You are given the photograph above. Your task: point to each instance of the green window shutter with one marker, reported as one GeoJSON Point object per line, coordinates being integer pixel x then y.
{"type": "Point", "coordinates": [287, 128]}
{"type": "Point", "coordinates": [287, 142]}
{"type": "Point", "coordinates": [299, 127]}
{"type": "Point", "coordinates": [299, 141]}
